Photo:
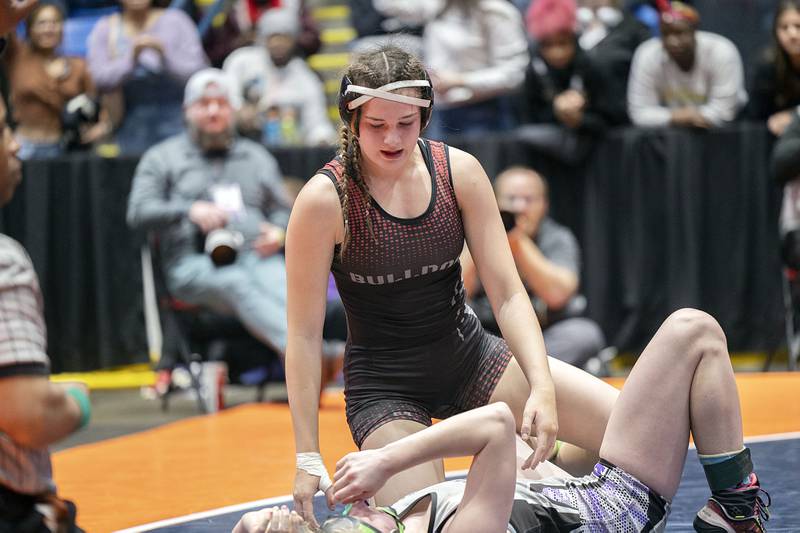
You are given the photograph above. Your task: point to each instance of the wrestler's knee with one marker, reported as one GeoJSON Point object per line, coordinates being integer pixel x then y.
{"type": "Point", "coordinates": [695, 328]}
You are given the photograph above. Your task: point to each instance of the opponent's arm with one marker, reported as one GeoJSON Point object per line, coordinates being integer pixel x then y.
{"type": "Point", "coordinates": [487, 433]}
{"type": "Point", "coordinates": [314, 227]}
{"type": "Point", "coordinates": [487, 242]}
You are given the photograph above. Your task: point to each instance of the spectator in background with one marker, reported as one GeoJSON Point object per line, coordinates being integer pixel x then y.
{"type": "Point", "coordinates": [35, 413]}
{"type": "Point", "coordinates": [547, 257]}
{"type": "Point", "coordinates": [207, 179]}
{"type": "Point", "coordinates": [397, 22]}
{"type": "Point", "coordinates": [189, 187]}
{"type": "Point", "coordinates": [686, 77]}
{"type": "Point", "coordinates": [249, 12]}
{"type": "Point", "coordinates": [46, 88]}
{"type": "Point", "coordinates": [610, 36]}
{"type": "Point", "coordinates": [562, 84]}
{"type": "Point", "coordinates": [775, 90]}
{"type": "Point", "coordinates": [142, 58]}
{"type": "Point", "coordinates": [476, 51]}
{"type": "Point", "coordinates": [284, 100]}
{"type": "Point", "coordinates": [786, 171]}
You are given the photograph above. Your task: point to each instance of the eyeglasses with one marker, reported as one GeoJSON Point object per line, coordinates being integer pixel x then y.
{"type": "Point", "coordinates": [354, 523]}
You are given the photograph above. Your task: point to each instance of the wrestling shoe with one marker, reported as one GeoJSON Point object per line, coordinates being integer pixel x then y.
{"type": "Point", "coordinates": [736, 510]}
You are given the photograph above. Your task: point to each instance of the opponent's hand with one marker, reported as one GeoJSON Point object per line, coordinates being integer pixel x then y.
{"type": "Point", "coordinates": [271, 520]}
{"type": "Point", "coordinates": [540, 415]}
{"type": "Point", "coordinates": [207, 215]}
{"type": "Point", "coordinates": [305, 487]}
{"type": "Point", "coordinates": [359, 475]}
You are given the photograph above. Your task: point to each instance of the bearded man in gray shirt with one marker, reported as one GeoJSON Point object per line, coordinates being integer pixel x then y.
{"type": "Point", "coordinates": [206, 183]}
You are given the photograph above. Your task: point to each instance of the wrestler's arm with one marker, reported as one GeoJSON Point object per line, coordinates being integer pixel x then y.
{"type": "Point", "coordinates": [487, 433]}
{"type": "Point", "coordinates": [314, 228]}
{"type": "Point", "coordinates": [488, 244]}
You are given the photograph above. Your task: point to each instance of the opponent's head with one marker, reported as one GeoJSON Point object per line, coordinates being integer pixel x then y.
{"type": "Point", "coordinates": [361, 518]}
{"type": "Point", "coordinates": [388, 73]}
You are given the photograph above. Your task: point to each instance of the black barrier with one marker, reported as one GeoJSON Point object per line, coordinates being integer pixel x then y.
{"type": "Point", "coordinates": [667, 218]}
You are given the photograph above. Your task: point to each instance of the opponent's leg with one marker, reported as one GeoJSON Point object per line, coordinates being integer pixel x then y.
{"type": "Point", "coordinates": [684, 381]}
{"type": "Point", "coordinates": [583, 404]}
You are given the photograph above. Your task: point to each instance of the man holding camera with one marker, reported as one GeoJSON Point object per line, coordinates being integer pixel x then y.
{"type": "Point", "coordinates": [547, 257]}
{"type": "Point", "coordinates": [217, 204]}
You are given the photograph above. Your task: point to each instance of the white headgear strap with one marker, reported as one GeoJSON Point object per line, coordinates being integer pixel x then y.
{"type": "Point", "coordinates": [384, 93]}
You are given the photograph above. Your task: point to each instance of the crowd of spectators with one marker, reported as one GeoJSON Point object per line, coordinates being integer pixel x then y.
{"type": "Point", "coordinates": [557, 64]}
{"type": "Point", "coordinates": [560, 71]}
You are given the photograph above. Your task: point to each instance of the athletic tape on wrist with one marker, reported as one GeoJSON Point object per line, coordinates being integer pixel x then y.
{"type": "Point", "coordinates": [84, 404]}
{"type": "Point", "coordinates": [311, 462]}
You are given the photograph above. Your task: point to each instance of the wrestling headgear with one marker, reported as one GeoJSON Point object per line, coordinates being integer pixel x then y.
{"type": "Point", "coordinates": [351, 97]}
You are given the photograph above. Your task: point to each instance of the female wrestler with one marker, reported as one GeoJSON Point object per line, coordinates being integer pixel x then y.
{"type": "Point", "coordinates": [389, 217]}
{"type": "Point", "coordinates": [684, 376]}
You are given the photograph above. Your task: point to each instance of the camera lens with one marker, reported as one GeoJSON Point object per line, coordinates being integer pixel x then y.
{"type": "Point", "coordinates": [222, 245]}
{"type": "Point", "coordinates": [509, 219]}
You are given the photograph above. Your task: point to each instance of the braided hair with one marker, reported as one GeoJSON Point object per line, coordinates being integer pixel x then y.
{"type": "Point", "coordinates": [373, 69]}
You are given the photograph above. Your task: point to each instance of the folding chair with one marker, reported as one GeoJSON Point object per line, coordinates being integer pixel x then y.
{"type": "Point", "coordinates": [182, 334]}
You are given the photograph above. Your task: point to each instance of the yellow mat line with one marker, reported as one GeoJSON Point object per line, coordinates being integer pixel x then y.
{"type": "Point", "coordinates": [140, 375]}
{"type": "Point", "coordinates": [127, 377]}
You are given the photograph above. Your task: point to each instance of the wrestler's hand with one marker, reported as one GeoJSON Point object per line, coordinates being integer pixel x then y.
{"type": "Point", "coordinates": [540, 415]}
{"type": "Point", "coordinates": [359, 475]}
{"type": "Point", "coordinates": [305, 487]}
{"type": "Point", "coordinates": [271, 520]}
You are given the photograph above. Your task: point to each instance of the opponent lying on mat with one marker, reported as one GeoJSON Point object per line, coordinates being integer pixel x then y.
{"type": "Point", "coordinates": [682, 382]}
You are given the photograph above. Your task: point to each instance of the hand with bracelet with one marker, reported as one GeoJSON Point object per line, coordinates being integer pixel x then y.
{"type": "Point", "coordinates": [79, 392]}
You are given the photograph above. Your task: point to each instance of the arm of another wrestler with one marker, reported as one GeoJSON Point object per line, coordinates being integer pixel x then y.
{"type": "Point", "coordinates": [315, 226]}
{"type": "Point", "coordinates": [487, 433]}
{"type": "Point", "coordinates": [487, 242]}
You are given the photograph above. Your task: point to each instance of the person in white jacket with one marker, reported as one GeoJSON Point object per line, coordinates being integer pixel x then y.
{"type": "Point", "coordinates": [279, 88]}
{"type": "Point", "coordinates": [685, 77]}
{"type": "Point", "coordinates": [477, 52]}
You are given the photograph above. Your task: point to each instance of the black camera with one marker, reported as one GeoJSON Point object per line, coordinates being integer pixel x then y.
{"type": "Point", "coordinates": [223, 245]}
{"type": "Point", "coordinates": [509, 219]}
{"type": "Point", "coordinates": [79, 112]}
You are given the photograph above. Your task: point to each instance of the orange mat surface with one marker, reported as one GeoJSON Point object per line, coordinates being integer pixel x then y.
{"type": "Point", "coordinates": [247, 453]}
